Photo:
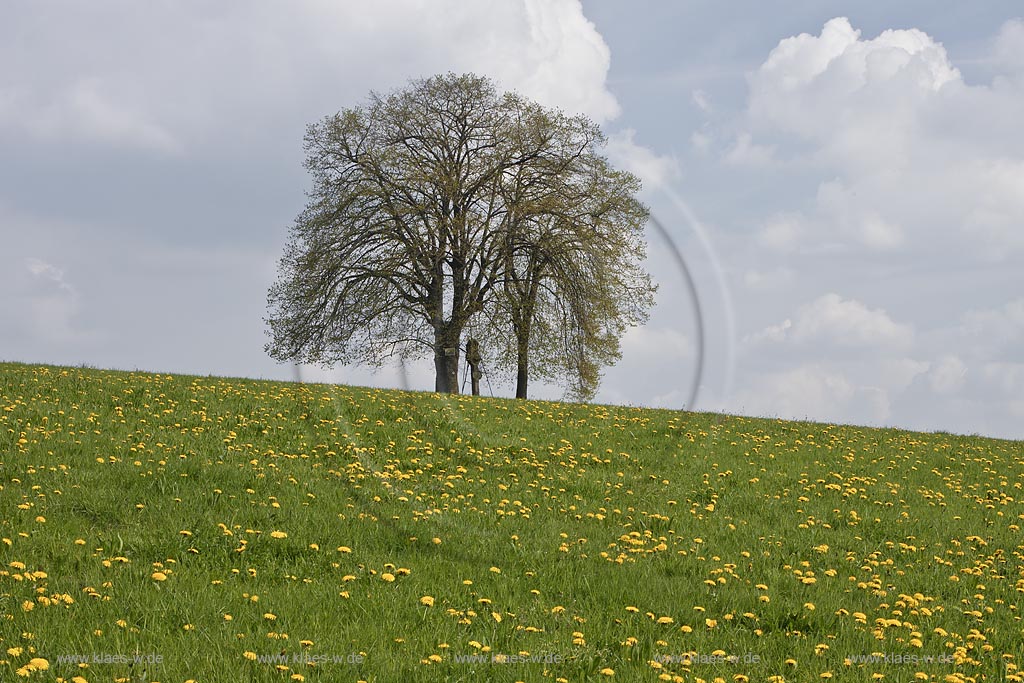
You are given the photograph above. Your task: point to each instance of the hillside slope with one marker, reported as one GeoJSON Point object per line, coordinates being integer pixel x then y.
{"type": "Point", "coordinates": [171, 528]}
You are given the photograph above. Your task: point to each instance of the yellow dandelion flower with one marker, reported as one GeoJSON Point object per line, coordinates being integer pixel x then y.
{"type": "Point", "coordinates": [427, 600]}
{"type": "Point", "coordinates": [38, 664]}
{"type": "Point", "coordinates": [387, 576]}
{"type": "Point", "coordinates": [278, 534]}
{"type": "Point", "coordinates": [159, 576]}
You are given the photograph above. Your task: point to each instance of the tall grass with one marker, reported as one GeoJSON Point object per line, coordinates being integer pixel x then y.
{"type": "Point", "coordinates": [171, 528]}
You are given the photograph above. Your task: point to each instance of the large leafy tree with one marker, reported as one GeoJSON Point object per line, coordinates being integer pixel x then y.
{"type": "Point", "coordinates": [396, 250]}
{"type": "Point", "coordinates": [424, 208]}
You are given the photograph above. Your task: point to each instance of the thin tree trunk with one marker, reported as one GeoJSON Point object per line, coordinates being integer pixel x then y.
{"type": "Point", "coordinates": [522, 371]}
{"type": "Point", "coordinates": [522, 331]}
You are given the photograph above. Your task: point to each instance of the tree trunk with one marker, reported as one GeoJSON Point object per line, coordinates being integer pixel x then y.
{"type": "Point", "coordinates": [446, 360]}
{"type": "Point", "coordinates": [521, 326]}
{"type": "Point", "coordinates": [522, 371]}
{"type": "Point", "coordinates": [440, 372]}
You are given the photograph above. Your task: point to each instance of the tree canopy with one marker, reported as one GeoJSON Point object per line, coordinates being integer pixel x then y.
{"type": "Point", "coordinates": [444, 204]}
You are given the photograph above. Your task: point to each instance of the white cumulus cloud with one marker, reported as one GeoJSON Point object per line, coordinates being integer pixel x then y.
{"type": "Point", "coordinates": [122, 75]}
{"type": "Point", "coordinates": [816, 392]}
{"type": "Point", "coordinates": [948, 376]}
{"type": "Point", "coordinates": [842, 322]}
{"type": "Point", "coordinates": [911, 155]}
{"type": "Point", "coordinates": [652, 168]}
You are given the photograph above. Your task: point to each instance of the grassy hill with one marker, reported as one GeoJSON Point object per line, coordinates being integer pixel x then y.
{"type": "Point", "coordinates": [171, 528]}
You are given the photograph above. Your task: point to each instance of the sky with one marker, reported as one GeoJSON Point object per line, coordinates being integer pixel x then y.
{"type": "Point", "coordinates": [843, 181]}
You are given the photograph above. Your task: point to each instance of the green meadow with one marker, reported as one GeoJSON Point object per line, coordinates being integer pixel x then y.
{"type": "Point", "coordinates": [160, 528]}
